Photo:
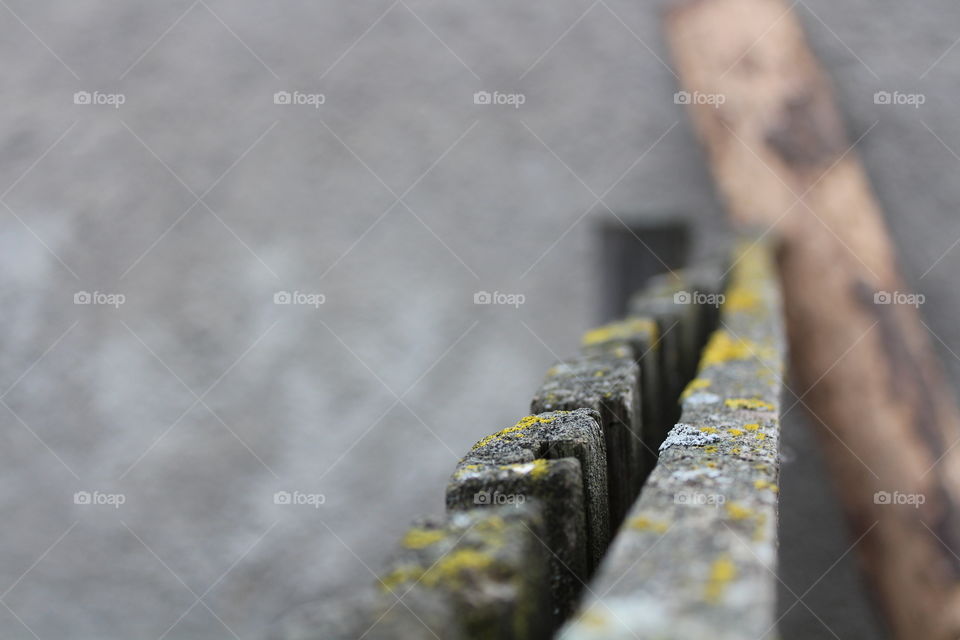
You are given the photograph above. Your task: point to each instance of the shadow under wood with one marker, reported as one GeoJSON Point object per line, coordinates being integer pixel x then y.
{"type": "Point", "coordinates": [813, 540]}
{"type": "Point", "coordinates": [633, 250]}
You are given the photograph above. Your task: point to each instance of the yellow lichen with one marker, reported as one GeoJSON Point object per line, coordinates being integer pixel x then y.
{"type": "Point", "coordinates": [491, 524]}
{"type": "Point", "coordinates": [765, 484]}
{"type": "Point", "coordinates": [710, 449]}
{"type": "Point", "coordinates": [468, 468]}
{"type": "Point", "coordinates": [592, 619]}
{"type": "Point", "coordinates": [447, 570]}
{"type": "Point", "coordinates": [420, 538]}
{"type": "Point", "coordinates": [709, 429]}
{"type": "Point", "coordinates": [540, 468]}
{"type": "Point", "coordinates": [623, 330]}
{"type": "Point", "coordinates": [735, 432]}
{"type": "Point", "coordinates": [401, 575]}
{"type": "Point", "coordinates": [748, 403]}
{"type": "Point", "coordinates": [695, 385]}
{"type": "Point", "coordinates": [537, 469]}
{"type": "Point", "coordinates": [751, 427]}
{"type": "Point", "coordinates": [722, 572]}
{"type": "Point", "coordinates": [454, 563]}
{"type": "Point", "coordinates": [760, 528]}
{"type": "Point", "coordinates": [524, 423]}
{"type": "Point", "coordinates": [641, 523]}
{"type": "Point", "coordinates": [741, 299]}
{"type": "Point", "coordinates": [738, 512]}
{"type": "Point", "coordinates": [761, 436]}
{"type": "Point", "coordinates": [723, 348]}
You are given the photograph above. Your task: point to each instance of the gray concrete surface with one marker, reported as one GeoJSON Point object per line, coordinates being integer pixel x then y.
{"type": "Point", "coordinates": [199, 399]}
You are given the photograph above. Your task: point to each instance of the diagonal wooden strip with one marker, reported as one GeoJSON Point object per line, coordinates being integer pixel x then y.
{"type": "Point", "coordinates": [781, 160]}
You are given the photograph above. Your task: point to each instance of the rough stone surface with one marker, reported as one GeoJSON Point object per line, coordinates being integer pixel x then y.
{"type": "Point", "coordinates": [551, 435]}
{"type": "Point", "coordinates": [558, 487]}
{"type": "Point", "coordinates": [705, 281]}
{"type": "Point", "coordinates": [697, 556]}
{"type": "Point", "coordinates": [657, 304]}
{"type": "Point", "coordinates": [475, 575]}
{"type": "Point", "coordinates": [608, 382]}
{"type": "Point", "coordinates": [371, 614]}
{"type": "Point", "coordinates": [668, 299]}
{"type": "Point", "coordinates": [641, 335]}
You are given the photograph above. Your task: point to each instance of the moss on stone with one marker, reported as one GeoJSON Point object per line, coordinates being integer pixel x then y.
{"type": "Point", "coordinates": [722, 572]}
{"type": "Point", "coordinates": [748, 403]}
{"type": "Point", "coordinates": [623, 330]}
{"type": "Point", "coordinates": [523, 424]}
{"type": "Point", "coordinates": [420, 538]}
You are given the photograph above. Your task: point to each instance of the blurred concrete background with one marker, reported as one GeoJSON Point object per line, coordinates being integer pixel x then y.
{"type": "Point", "coordinates": [397, 199]}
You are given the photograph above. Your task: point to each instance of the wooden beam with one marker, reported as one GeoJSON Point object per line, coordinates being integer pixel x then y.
{"type": "Point", "coordinates": [781, 160]}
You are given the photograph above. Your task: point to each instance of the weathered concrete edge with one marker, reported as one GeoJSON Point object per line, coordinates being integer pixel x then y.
{"type": "Point", "coordinates": [698, 555]}
{"type": "Point", "coordinates": [551, 435]}
{"type": "Point", "coordinates": [607, 381]}
{"type": "Point", "coordinates": [472, 574]}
